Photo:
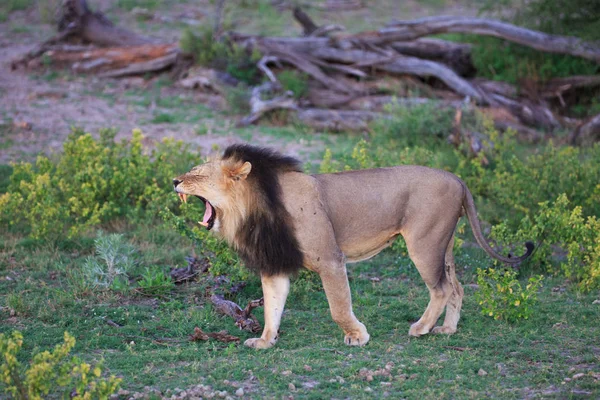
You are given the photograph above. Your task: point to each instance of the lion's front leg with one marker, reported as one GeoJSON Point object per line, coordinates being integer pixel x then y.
{"type": "Point", "coordinates": [275, 291]}
{"type": "Point", "coordinates": [337, 289]}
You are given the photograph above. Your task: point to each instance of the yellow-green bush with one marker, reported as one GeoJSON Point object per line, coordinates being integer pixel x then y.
{"type": "Point", "coordinates": [90, 183]}
{"type": "Point", "coordinates": [501, 296]}
{"type": "Point", "coordinates": [559, 227]}
{"type": "Point", "coordinates": [51, 373]}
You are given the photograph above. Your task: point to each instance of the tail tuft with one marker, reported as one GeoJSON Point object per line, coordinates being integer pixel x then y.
{"type": "Point", "coordinates": [530, 247]}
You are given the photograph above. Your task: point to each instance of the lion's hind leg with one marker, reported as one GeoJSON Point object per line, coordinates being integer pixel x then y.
{"type": "Point", "coordinates": [430, 264]}
{"type": "Point", "coordinates": [455, 301]}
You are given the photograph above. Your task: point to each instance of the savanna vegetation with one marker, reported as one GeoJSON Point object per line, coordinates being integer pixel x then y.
{"type": "Point", "coordinates": [89, 236]}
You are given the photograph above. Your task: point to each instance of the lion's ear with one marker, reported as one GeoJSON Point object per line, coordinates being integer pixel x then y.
{"type": "Point", "coordinates": [239, 172]}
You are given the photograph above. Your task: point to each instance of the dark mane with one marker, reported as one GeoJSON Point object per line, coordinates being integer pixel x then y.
{"type": "Point", "coordinates": [267, 242]}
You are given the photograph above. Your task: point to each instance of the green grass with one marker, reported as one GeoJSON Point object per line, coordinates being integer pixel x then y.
{"type": "Point", "coordinates": [8, 6]}
{"type": "Point", "coordinates": [152, 348]}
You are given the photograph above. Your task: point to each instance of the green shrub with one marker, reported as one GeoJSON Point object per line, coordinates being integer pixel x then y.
{"type": "Point", "coordinates": [520, 185]}
{"type": "Point", "coordinates": [155, 282]}
{"type": "Point", "coordinates": [294, 81]}
{"type": "Point", "coordinates": [90, 183]}
{"type": "Point", "coordinates": [500, 60]}
{"type": "Point", "coordinates": [113, 261]}
{"type": "Point", "coordinates": [560, 230]}
{"type": "Point", "coordinates": [501, 296]}
{"type": "Point", "coordinates": [51, 374]}
{"type": "Point", "coordinates": [222, 55]}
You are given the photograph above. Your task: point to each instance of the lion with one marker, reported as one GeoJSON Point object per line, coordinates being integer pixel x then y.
{"type": "Point", "coordinates": [280, 219]}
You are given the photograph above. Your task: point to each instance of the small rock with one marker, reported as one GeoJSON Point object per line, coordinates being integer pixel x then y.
{"type": "Point", "coordinates": [307, 368]}
{"type": "Point", "coordinates": [385, 383]}
{"type": "Point", "coordinates": [596, 301]}
{"type": "Point", "coordinates": [567, 379]}
{"type": "Point", "coordinates": [286, 373]}
{"type": "Point", "coordinates": [239, 392]}
{"type": "Point", "coordinates": [579, 375]}
{"type": "Point", "coordinates": [369, 378]}
{"type": "Point", "coordinates": [368, 389]}
{"type": "Point", "coordinates": [292, 387]}
{"type": "Point", "coordinates": [481, 372]}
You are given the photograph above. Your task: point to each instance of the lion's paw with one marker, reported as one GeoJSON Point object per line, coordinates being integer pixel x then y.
{"type": "Point", "coordinates": [258, 343]}
{"type": "Point", "coordinates": [359, 337]}
{"type": "Point", "coordinates": [446, 330]}
{"type": "Point", "coordinates": [418, 329]}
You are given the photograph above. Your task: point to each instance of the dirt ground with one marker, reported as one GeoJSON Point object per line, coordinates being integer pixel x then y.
{"type": "Point", "coordinates": [39, 108]}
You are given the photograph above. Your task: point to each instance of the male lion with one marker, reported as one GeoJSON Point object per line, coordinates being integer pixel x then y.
{"type": "Point", "coordinates": [280, 219]}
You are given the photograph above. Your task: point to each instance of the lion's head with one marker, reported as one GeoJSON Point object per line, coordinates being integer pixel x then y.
{"type": "Point", "coordinates": [221, 186]}
{"type": "Point", "coordinates": [242, 196]}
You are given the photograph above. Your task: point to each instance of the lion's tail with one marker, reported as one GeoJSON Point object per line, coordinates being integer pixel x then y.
{"type": "Point", "coordinates": [469, 207]}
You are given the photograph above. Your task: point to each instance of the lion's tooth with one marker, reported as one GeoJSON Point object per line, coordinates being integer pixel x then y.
{"type": "Point", "coordinates": [182, 197]}
{"type": "Point", "coordinates": [205, 224]}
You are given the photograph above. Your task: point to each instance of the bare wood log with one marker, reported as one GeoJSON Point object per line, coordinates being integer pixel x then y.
{"type": "Point", "coordinates": [120, 61]}
{"type": "Point", "coordinates": [457, 56]}
{"type": "Point", "coordinates": [141, 68]}
{"type": "Point", "coordinates": [409, 30]}
{"type": "Point", "coordinates": [96, 28]}
{"type": "Point", "coordinates": [218, 23]}
{"type": "Point", "coordinates": [302, 62]}
{"type": "Point", "coordinates": [243, 318]}
{"type": "Point", "coordinates": [529, 113]}
{"type": "Point", "coordinates": [303, 19]}
{"type": "Point", "coordinates": [338, 120]}
{"type": "Point", "coordinates": [556, 87]}
{"type": "Point", "coordinates": [587, 133]}
{"type": "Point", "coordinates": [400, 64]}
{"type": "Point", "coordinates": [502, 88]}
{"type": "Point", "coordinates": [258, 106]}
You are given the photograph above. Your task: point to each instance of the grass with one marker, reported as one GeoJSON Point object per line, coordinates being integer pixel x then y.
{"type": "Point", "coordinates": [528, 358]}
{"type": "Point", "coordinates": [9, 6]}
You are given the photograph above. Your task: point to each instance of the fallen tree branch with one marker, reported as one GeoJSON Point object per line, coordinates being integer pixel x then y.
{"type": "Point", "coordinates": [456, 56]}
{"type": "Point", "coordinates": [258, 106]}
{"type": "Point", "coordinates": [409, 30]}
{"type": "Point", "coordinates": [94, 27]}
{"type": "Point", "coordinates": [243, 318]}
{"type": "Point", "coordinates": [400, 64]}
{"type": "Point", "coordinates": [587, 133]}
{"type": "Point", "coordinates": [303, 19]}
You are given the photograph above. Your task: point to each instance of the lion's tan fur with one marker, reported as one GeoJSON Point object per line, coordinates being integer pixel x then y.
{"type": "Point", "coordinates": [348, 217]}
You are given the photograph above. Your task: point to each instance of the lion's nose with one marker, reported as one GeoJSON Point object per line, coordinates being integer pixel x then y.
{"type": "Point", "coordinates": [176, 182]}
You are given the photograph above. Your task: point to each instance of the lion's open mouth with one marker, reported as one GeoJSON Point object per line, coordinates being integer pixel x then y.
{"type": "Point", "coordinates": [210, 214]}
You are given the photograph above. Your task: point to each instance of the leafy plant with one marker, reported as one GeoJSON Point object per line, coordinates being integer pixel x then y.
{"type": "Point", "coordinates": [91, 182]}
{"type": "Point", "coordinates": [51, 373]}
{"type": "Point", "coordinates": [225, 56]}
{"type": "Point", "coordinates": [561, 231]}
{"type": "Point", "coordinates": [501, 296]}
{"type": "Point", "coordinates": [113, 261]}
{"type": "Point", "coordinates": [155, 282]}
{"type": "Point", "coordinates": [294, 81]}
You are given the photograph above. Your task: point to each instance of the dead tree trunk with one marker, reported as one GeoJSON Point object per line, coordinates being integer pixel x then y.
{"type": "Point", "coordinates": [409, 30]}
{"type": "Point", "coordinates": [93, 27]}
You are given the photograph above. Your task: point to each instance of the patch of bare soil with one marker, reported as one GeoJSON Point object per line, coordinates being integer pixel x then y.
{"type": "Point", "coordinates": [38, 109]}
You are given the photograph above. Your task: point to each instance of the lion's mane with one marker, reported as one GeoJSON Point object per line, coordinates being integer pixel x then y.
{"type": "Point", "coordinates": [265, 238]}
